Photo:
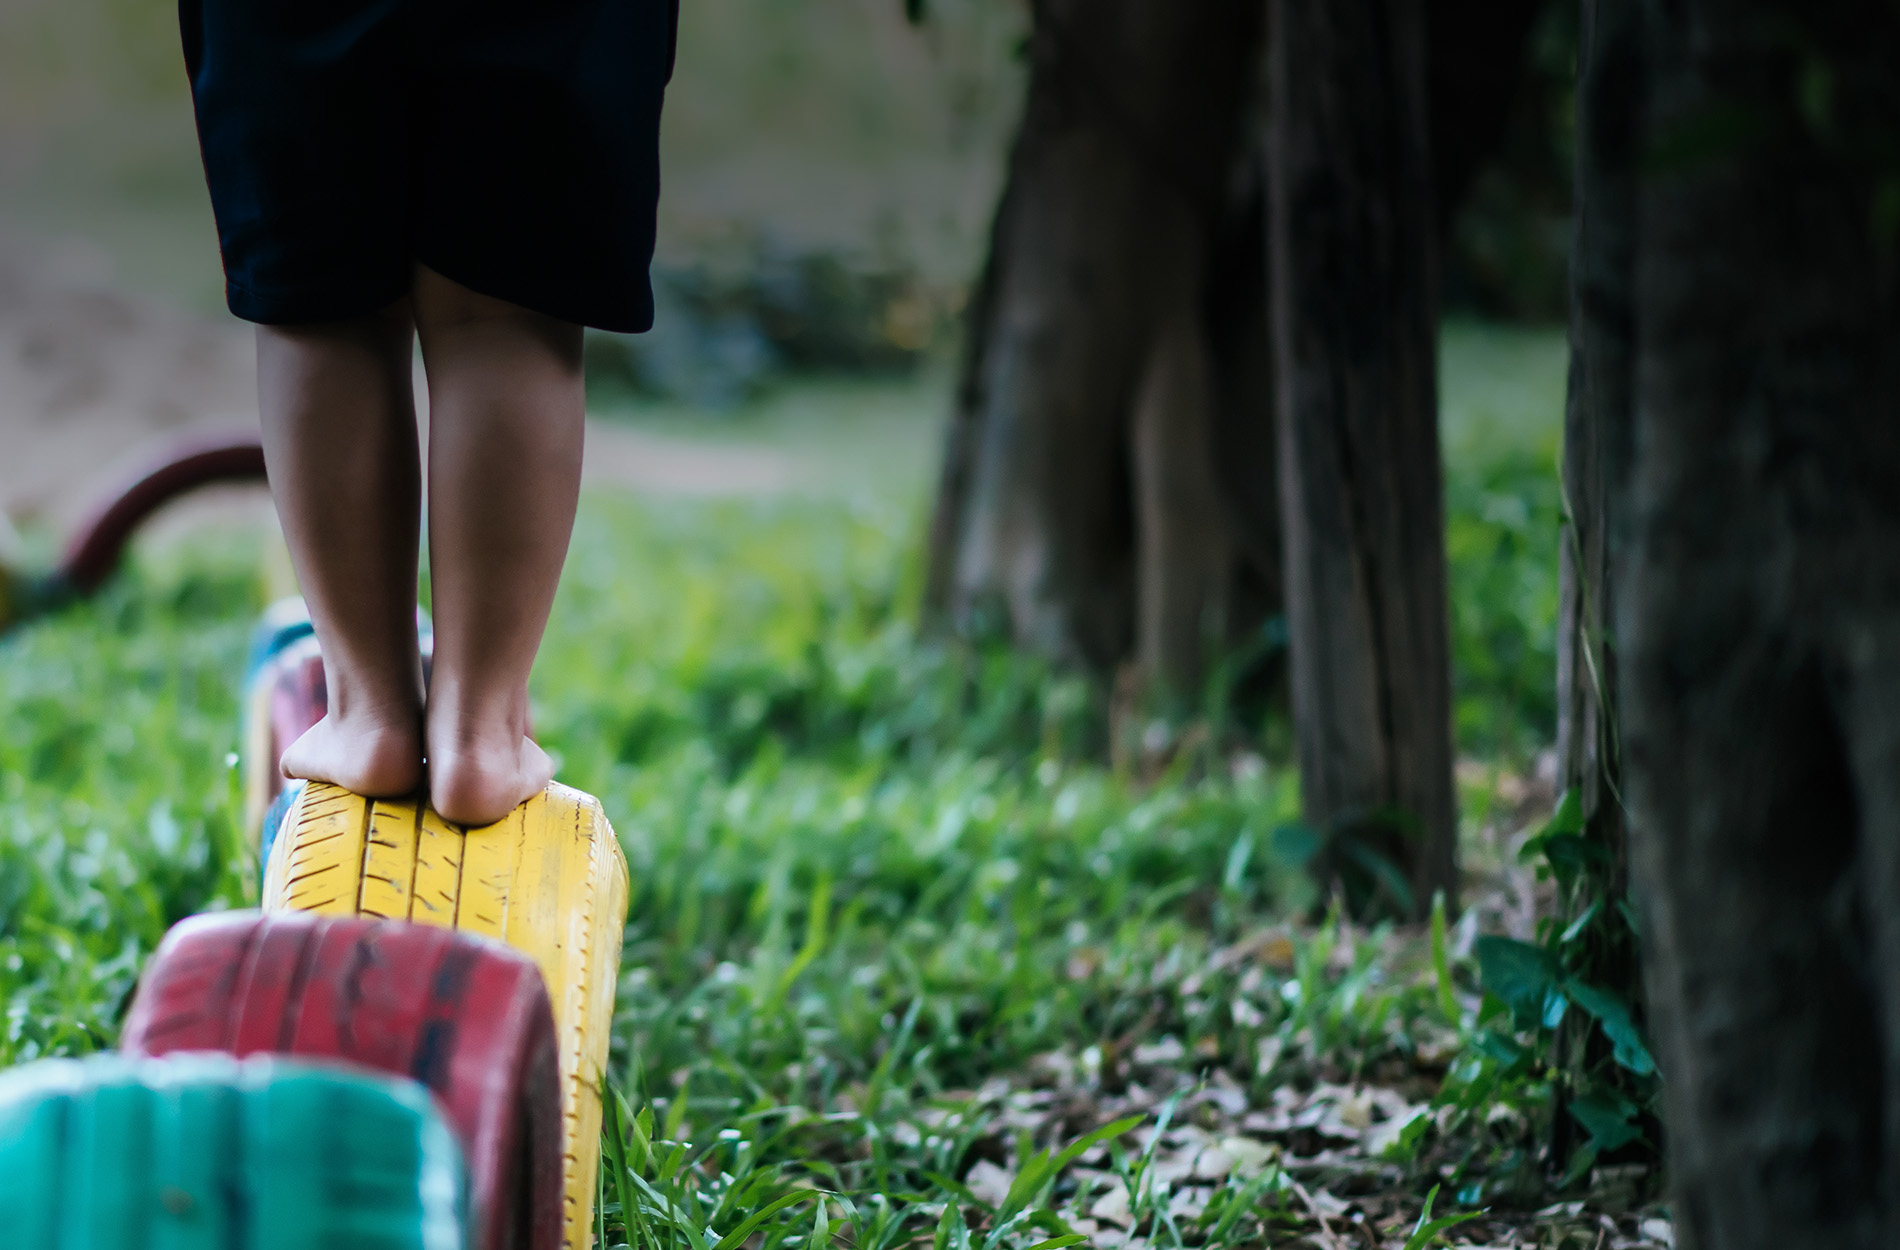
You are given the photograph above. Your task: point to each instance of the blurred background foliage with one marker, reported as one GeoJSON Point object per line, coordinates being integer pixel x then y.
{"type": "Point", "coordinates": [1507, 256]}
{"type": "Point", "coordinates": [834, 130]}
{"type": "Point", "coordinates": [830, 173]}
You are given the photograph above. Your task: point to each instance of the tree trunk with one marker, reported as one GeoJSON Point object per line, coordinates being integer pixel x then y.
{"type": "Point", "coordinates": [1597, 430]}
{"type": "Point", "coordinates": [1184, 554]}
{"type": "Point", "coordinates": [1760, 617]}
{"type": "Point", "coordinates": [1082, 509]}
{"type": "Point", "coordinates": [1354, 311]}
{"type": "Point", "coordinates": [1234, 308]}
{"type": "Point", "coordinates": [1127, 254]}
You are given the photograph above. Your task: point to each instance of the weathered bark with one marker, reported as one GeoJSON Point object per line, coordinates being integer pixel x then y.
{"type": "Point", "coordinates": [1760, 618]}
{"type": "Point", "coordinates": [1355, 326]}
{"type": "Point", "coordinates": [1082, 504]}
{"type": "Point", "coordinates": [1184, 554]}
{"type": "Point", "coordinates": [1597, 425]}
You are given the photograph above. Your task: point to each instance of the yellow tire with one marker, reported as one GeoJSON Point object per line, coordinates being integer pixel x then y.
{"type": "Point", "coordinates": [548, 879]}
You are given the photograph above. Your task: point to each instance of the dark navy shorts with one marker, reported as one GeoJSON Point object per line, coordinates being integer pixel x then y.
{"type": "Point", "coordinates": [511, 145]}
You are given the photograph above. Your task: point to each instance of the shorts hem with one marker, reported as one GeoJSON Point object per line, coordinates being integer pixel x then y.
{"type": "Point", "coordinates": [290, 306]}
{"type": "Point", "coordinates": [625, 317]}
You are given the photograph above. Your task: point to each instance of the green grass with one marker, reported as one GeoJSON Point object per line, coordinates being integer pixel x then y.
{"type": "Point", "coordinates": [117, 807]}
{"type": "Point", "coordinates": [898, 931]}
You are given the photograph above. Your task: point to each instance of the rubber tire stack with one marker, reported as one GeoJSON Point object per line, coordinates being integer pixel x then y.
{"type": "Point", "coordinates": [465, 1017]}
{"type": "Point", "coordinates": [375, 1061]}
{"type": "Point", "coordinates": [549, 879]}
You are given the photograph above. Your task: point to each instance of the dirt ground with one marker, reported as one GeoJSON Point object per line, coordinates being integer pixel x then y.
{"type": "Point", "coordinates": [92, 378]}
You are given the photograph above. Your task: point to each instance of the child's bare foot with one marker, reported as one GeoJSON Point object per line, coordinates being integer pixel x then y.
{"type": "Point", "coordinates": [339, 426]}
{"type": "Point", "coordinates": [477, 782]}
{"type": "Point", "coordinates": [507, 418]}
{"type": "Point", "coordinates": [367, 755]}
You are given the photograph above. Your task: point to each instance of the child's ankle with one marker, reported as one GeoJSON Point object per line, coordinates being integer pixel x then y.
{"type": "Point", "coordinates": [376, 756]}
{"type": "Point", "coordinates": [478, 783]}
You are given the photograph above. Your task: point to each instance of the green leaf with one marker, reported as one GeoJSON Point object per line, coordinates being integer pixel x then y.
{"type": "Point", "coordinates": [1405, 1147]}
{"type": "Point", "coordinates": [1561, 842]}
{"type": "Point", "coordinates": [1519, 974]}
{"type": "Point", "coordinates": [1568, 816]}
{"type": "Point", "coordinates": [1571, 853]}
{"type": "Point", "coordinates": [1582, 1159]}
{"type": "Point", "coordinates": [1626, 1039]}
{"type": "Point", "coordinates": [1060, 1243]}
{"type": "Point", "coordinates": [1609, 1121]}
{"type": "Point", "coordinates": [1582, 922]}
{"type": "Point", "coordinates": [1567, 819]}
{"type": "Point", "coordinates": [1495, 1045]}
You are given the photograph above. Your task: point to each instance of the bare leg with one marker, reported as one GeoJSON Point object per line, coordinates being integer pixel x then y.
{"type": "Point", "coordinates": [339, 427]}
{"type": "Point", "coordinates": [505, 429]}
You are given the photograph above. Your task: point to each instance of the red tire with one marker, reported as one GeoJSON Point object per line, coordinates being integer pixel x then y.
{"type": "Point", "coordinates": [465, 1016]}
{"type": "Point", "coordinates": [101, 539]}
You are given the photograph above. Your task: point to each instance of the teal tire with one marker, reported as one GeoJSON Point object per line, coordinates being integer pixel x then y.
{"type": "Point", "coordinates": [206, 1152]}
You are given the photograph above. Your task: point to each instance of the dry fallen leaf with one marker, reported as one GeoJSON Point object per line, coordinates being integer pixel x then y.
{"type": "Point", "coordinates": [1112, 1207]}
{"type": "Point", "coordinates": [988, 1182]}
{"type": "Point", "coordinates": [1250, 1158]}
{"type": "Point", "coordinates": [1166, 1052]}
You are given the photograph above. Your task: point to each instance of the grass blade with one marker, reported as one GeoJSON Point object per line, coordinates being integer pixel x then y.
{"type": "Point", "coordinates": [1441, 962]}
{"type": "Point", "coordinates": [676, 1113]}
{"type": "Point", "coordinates": [759, 1217]}
{"type": "Point", "coordinates": [1428, 1229]}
